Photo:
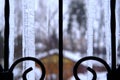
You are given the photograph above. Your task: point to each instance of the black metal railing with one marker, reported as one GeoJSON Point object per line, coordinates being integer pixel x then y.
{"type": "Point", "coordinates": [6, 73]}
{"type": "Point", "coordinates": [112, 72]}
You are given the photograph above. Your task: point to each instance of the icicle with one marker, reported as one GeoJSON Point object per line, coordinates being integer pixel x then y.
{"type": "Point", "coordinates": [11, 36]}
{"type": "Point", "coordinates": [117, 27]}
{"type": "Point", "coordinates": [28, 35]}
{"type": "Point", "coordinates": [2, 2]}
{"type": "Point", "coordinates": [48, 19]}
{"type": "Point", "coordinates": [90, 23]}
{"type": "Point", "coordinates": [106, 7]}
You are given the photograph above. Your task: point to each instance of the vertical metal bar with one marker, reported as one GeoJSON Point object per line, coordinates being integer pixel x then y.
{"type": "Point", "coordinates": [6, 36]}
{"type": "Point", "coordinates": [113, 36]}
{"type": "Point", "coordinates": [60, 40]}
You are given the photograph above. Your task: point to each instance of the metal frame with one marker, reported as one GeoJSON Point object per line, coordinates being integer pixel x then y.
{"type": "Point", "coordinates": [112, 72]}
{"type": "Point", "coordinates": [6, 72]}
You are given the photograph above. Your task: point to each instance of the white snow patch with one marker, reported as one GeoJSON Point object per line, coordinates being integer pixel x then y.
{"type": "Point", "coordinates": [100, 76]}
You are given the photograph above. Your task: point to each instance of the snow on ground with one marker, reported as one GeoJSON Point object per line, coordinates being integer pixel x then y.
{"type": "Point", "coordinates": [38, 73]}
{"type": "Point", "coordinates": [16, 71]}
{"type": "Point", "coordinates": [100, 76]}
{"type": "Point", "coordinates": [44, 54]}
{"type": "Point", "coordinates": [74, 56]}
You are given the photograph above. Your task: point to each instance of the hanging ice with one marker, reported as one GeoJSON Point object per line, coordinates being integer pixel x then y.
{"type": "Point", "coordinates": [117, 29]}
{"type": "Point", "coordinates": [11, 35]}
{"type": "Point", "coordinates": [90, 23]}
{"type": "Point", "coordinates": [106, 7]}
{"type": "Point", "coordinates": [28, 35]}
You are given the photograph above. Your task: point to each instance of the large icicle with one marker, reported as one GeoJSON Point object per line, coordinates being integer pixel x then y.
{"type": "Point", "coordinates": [28, 35]}
{"type": "Point", "coordinates": [117, 28]}
{"type": "Point", "coordinates": [90, 23]}
{"type": "Point", "coordinates": [106, 7]}
{"type": "Point", "coordinates": [11, 35]}
{"type": "Point", "coordinates": [2, 2]}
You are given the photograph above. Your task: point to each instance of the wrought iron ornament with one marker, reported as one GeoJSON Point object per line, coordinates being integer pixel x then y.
{"type": "Point", "coordinates": [112, 73]}
{"type": "Point", "coordinates": [6, 73]}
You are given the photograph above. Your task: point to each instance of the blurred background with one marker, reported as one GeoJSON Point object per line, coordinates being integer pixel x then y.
{"type": "Point", "coordinates": [86, 32]}
{"type": "Point", "coordinates": [46, 36]}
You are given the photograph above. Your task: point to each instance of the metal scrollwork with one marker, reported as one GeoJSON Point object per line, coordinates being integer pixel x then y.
{"type": "Point", "coordinates": [9, 74]}
{"type": "Point", "coordinates": [29, 69]}
{"type": "Point", "coordinates": [88, 68]}
{"type": "Point", "coordinates": [6, 73]}
{"type": "Point", "coordinates": [112, 72]}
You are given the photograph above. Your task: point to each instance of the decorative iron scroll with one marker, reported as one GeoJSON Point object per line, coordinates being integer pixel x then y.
{"type": "Point", "coordinates": [112, 72]}
{"type": "Point", "coordinates": [6, 72]}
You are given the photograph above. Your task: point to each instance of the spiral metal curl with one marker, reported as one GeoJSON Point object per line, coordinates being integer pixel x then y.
{"type": "Point", "coordinates": [25, 73]}
{"type": "Point", "coordinates": [113, 72]}
{"type": "Point", "coordinates": [6, 73]}
{"type": "Point", "coordinates": [91, 70]}
{"type": "Point", "coordinates": [9, 74]}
